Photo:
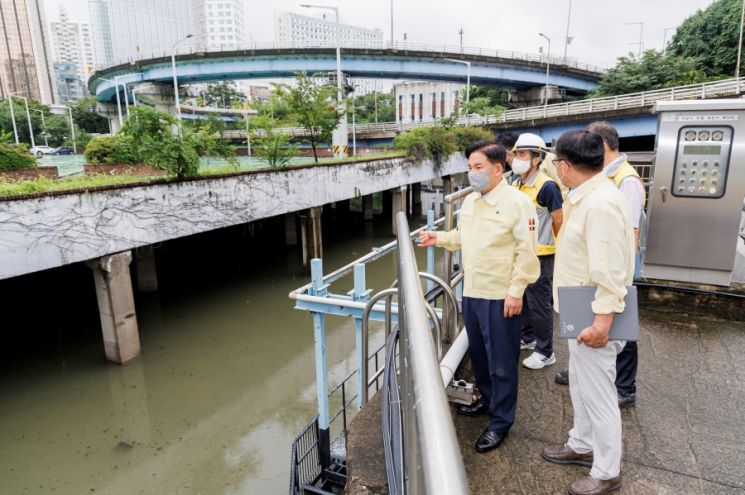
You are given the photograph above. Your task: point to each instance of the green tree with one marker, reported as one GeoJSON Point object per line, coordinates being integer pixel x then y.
{"type": "Point", "coordinates": [710, 38]}
{"type": "Point", "coordinates": [85, 117]}
{"type": "Point", "coordinates": [315, 106]}
{"type": "Point", "coordinates": [365, 107]}
{"type": "Point", "coordinates": [19, 108]}
{"type": "Point", "coordinates": [481, 105]}
{"type": "Point", "coordinates": [223, 94]}
{"type": "Point", "coordinates": [273, 147]}
{"type": "Point", "coordinates": [654, 70]}
{"type": "Point", "coordinates": [145, 121]}
{"type": "Point", "coordinates": [57, 128]}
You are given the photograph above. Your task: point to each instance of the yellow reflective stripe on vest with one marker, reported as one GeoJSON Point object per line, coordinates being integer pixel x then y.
{"type": "Point", "coordinates": [546, 239]}
{"type": "Point", "coordinates": [626, 170]}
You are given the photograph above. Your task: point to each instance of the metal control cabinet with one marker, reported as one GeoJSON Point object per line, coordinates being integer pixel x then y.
{"type": "Point", "coordinates": [696, 203]}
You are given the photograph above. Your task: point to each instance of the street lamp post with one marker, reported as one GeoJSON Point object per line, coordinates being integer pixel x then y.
{"type": "Point", "coordinates": [342, 129]}
{"type": "Point", "coordinates": [548, 68]}
{"type": "Point", "coordinates": [739, 47]}
{"type": "Point", "coordinates": [468, 79]}
{"type": "Point", "coordinates": [567, 39]}
{"type": "Point", "coordinates": [354, 125]}
{"type": "Point", "coordinates": [248, 131]}
{"type": "Point", "coordinates": [43, 126]}
{"type": "Point", "coordinates": [28, 117]}
{"type": "Point", "coordinates": [664, 38]}
{"type": "Point", "coordinates": [13, 117]}
{"type": "Point", "coordinates": [72, 131]}
{"type": "Point", "coordinates": [175, 80]}
{"type": "Point", "coordinates": [641, 35]}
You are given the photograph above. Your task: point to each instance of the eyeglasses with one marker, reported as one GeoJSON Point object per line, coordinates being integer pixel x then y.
{"type": "Point", "coordinates": [556, 161]}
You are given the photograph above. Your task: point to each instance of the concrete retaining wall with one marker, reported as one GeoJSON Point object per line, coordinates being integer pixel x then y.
{"type": "Point", "coordinates": [50, 231]}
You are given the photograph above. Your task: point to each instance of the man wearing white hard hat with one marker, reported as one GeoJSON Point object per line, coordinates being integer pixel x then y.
{"type": "Point", "coordinates": [545, 194]}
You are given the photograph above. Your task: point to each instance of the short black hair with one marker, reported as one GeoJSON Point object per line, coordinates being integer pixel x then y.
{"type": "Point", "coordinates": [606, 131]}
{"type": "Point", "coordinates": [508, 139]}
{"type": "Point", "coordinates": [583, 149]}
{"type": "Point", "coordinates": [494, 152]}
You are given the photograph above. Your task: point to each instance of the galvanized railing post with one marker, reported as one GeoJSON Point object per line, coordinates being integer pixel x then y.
{"type": "Point", "coordinates": [318, 288]}
{"type": "Point", "coordinates": [360, 293]}
{"type": "Point", "coordinates": [430, 249]}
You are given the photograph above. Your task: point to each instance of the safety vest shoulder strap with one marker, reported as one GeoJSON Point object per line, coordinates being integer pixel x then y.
{"type": "Point", "coordinates": [626, 170]}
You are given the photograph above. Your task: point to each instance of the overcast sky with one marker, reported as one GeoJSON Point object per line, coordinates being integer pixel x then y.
{"type": "Point", "coordinates": [598, 26]}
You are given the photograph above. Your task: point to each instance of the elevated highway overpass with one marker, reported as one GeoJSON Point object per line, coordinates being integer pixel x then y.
{"type": "Point", "coordinates": [382, 61]}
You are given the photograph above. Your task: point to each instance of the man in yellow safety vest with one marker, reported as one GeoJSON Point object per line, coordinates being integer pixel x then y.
{"type": "Point", "coordinates": [545, 195]}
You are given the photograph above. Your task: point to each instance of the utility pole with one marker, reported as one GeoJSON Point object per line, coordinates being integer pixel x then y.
{"type": "Point", "coordinates": [567, 39]}
{"type": "Point", "coordinates": [641, 36]}
{"type": "Point", "coordinates": [460, 32]}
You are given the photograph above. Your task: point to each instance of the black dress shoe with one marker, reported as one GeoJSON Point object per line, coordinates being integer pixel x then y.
{"type": "Point", "coordinates": [476, 409]}
{"type": "Point", "coordinates": [489, 440]}
{"type": "Point", "coordinates": [626, 400]}
{"type": "Point", "coordinates": [562, 377]}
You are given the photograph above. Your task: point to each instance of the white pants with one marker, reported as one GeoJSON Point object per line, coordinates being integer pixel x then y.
{"type": "Point", "coordinates": [597, 419]}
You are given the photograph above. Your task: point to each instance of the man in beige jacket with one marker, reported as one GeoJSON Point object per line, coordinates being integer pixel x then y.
{"type": "Point", "coordinates": [595, 247]}
{"type": "Point", "coordinates": [497, 239]}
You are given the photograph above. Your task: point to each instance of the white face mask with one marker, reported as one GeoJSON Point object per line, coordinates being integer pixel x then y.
{"type": "Point", "coordinates": [561, 177]}
{"type": "Point", "coordinates": [520, 167]}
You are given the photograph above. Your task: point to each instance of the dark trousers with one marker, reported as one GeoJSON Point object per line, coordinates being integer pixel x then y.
{"type": "Point", "coordinates": [494, 343]}
{"type": "Point", "coordinates": [538, 317]}
{"type": "Point", "coordinates": [627, 361]}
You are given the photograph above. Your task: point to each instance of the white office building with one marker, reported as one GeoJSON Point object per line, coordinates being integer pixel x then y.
{"type": "Point", "coordinates": [128, 29]}
{"type": "Point", "coordinates": [219, 23]}
{"type": "Point", "coordinates": [426, 101]}
{"type": "Point", "coordinates": [72, 44]}
{"type": "Point", "coordinates": [290, 27]}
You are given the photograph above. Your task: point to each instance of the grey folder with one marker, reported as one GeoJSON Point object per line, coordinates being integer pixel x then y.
{"type": "Point", "coordinates": [575, 313]}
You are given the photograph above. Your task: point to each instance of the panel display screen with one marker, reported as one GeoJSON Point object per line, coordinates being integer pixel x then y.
{"type": "Point", "coordinates": [702, 149]}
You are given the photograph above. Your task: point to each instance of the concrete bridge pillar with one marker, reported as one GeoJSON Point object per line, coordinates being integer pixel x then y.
{"type": "Point", "coordinates": [398, 198]}
{"type": "Point", "coordinates": [447, 188]}
{"type": "Point", "coordinates": [416, 200]}
{"type": "Point", "coordinates": [116, 306]}
{"type": "Point", "coordinates": [311, 234]}
{"type": "Point", "coordinates": [367, 207]}
{"type": "Point", "coordinates": [147, 276]}
{"type": "Point", "coordinates": [290, 229]}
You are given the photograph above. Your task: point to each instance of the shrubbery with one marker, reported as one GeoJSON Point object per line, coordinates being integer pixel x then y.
{"type": "Point", "coordinates": [118, 148]}
{"type": "Point", "coordinates": [147, 137]}
{"type": "Point", "coordinates": [438, 142]}
{"type": "Point", "coordinates": [13, 157]}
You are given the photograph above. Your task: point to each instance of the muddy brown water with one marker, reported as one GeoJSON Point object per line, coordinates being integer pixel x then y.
{"type": "Point", "coordinates": [225, 381]}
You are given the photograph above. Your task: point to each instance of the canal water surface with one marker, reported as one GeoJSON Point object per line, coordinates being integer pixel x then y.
{"type": "Point", "coordinates": [224, 383]}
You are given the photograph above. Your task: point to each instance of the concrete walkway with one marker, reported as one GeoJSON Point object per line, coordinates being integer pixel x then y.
{"type": "Point", "coordinates": [685, 436]}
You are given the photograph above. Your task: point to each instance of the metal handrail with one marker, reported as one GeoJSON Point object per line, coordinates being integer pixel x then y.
{"type": "Point", "coordinates": [445, 50]}
{"type": "Point", "coordinates": [432, 459]}
{"type": "Point", "coordinates": [714, 89]}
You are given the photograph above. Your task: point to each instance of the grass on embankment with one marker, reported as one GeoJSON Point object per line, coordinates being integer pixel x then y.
{"type": "Point", "coordinates": [42, 184]}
